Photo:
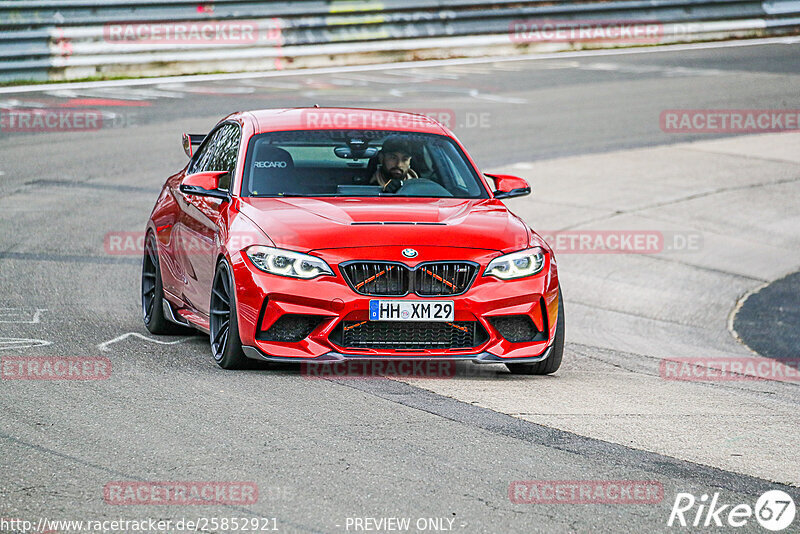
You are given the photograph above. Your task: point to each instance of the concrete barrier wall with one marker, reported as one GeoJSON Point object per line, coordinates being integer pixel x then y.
{"type": "Point", "coordinates": [76, 39]}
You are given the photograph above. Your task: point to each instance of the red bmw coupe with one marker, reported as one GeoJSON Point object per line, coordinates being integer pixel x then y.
{"type": "Point", "coordinates": [320, 235]}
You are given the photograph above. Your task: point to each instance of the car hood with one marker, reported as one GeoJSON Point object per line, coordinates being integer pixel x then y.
{"type": "Point", "coordinates": [305, 224]}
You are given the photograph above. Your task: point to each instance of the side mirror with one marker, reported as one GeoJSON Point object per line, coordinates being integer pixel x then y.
{"type": "Point", "coordinates": [204, 184]}
{"type": "Point", "coordinates": [508, 186]}
{"type": "Point", "coordinates": [189, 141]}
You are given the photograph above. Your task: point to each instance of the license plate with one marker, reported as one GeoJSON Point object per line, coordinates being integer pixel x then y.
{"type": "Point", "coordinates": [411, 310]}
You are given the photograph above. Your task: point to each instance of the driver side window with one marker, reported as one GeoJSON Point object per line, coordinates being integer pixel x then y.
{"type": "Point", "coordinates": [220, 153]}
{"type": "Point", "coordinates": [202, 157]}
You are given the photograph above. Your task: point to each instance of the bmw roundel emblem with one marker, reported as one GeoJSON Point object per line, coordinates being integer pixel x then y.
{"type": "Point", "coordinates": [410, 253]}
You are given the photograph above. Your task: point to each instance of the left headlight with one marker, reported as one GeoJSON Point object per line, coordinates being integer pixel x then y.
{"type": "Point", "coordinates": [287, 263]}
{"type": "Point", "coordinates": [517, 264]}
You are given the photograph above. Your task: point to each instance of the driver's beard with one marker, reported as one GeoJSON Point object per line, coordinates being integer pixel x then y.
{"type": "Point", "coordinates": [387, 176]}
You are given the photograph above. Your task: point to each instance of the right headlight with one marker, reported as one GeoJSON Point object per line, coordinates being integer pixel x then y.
{"type": "Point", "coordinates": [287, 262]}
{"type": "Point", "coordinates": [517, 264]}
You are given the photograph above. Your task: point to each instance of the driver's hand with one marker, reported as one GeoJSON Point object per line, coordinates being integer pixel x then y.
{"type": "Point", "coordinates": [393, 185]}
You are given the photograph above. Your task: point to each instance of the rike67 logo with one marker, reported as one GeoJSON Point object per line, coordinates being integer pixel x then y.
{"type": "Point", "coordinates": [774, 510]}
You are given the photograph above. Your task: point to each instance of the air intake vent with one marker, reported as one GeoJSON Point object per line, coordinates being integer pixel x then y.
{"type": "Point", "coordinates": [291, 328]}
{"type": "Point", "coordinates": [517, 328]}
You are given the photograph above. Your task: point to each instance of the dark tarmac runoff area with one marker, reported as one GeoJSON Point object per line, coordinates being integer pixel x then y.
{"type": "Point", "coordinates": [769, 320]}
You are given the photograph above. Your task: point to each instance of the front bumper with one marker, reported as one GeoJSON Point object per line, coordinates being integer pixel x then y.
{"type": "Point", "coordinates": [333, 357]}
{"type": "Point", "coordinates": [262, 299]}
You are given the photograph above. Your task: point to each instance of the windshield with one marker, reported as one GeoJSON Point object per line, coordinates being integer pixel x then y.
{"type": "Point", "coordinates": [358, 163]}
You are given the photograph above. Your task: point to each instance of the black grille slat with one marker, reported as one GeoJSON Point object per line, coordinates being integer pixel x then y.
{"type": "Point", "coordinates": [451, 269]}
{"type": "Point", "coordinates": [377, 278]}
{"type": "Point", "coordinates": [441, 279]}
{"type": "Point", "coordinates": [399, 274]}
{"type": "Point", "coordinates": [399, 335]}
{"type": "Point", "coordinates": [383, 279]}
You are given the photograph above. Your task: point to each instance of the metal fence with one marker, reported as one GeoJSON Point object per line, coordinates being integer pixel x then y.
{"type": "Point", "coordinates": [72, 39]}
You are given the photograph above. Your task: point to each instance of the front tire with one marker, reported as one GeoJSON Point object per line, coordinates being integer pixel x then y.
{"type": "Point", "coordinates": [153, 294]}
{"type": "Point", "coordinates": [226, 346]}
{"type": "Point", "coordinates": [553, 362]}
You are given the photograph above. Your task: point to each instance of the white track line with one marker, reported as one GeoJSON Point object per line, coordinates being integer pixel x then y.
{"type": "Point", "coordinates": [16, 343]}
{"type": "Point", "coordinates": [5, 312]}
{"type": "Point", "coordinates": [393, 66]}
{"type": "Point", "coordinates": [104, 345]}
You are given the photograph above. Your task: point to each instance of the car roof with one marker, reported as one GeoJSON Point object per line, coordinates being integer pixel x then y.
{"type": "Point", "coordinates": [316, 118]}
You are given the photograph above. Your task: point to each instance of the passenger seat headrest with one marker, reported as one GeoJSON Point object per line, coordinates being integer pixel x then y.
{"type": "Point", "coordinates": [272, 158]}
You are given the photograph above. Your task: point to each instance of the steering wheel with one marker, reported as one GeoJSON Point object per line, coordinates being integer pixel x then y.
{"type": "Point", "coordinates": [422, 187]}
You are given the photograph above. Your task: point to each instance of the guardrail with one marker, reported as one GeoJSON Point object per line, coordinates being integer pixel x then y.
{"type": "Point", "coordinates": [72, 39]}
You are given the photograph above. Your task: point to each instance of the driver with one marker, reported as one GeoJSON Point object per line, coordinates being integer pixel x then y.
{"type": "Point", "coordinates": [394, 164]}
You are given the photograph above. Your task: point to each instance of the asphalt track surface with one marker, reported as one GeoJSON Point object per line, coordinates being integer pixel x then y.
{"type": "Point", "coordinates": [323, 452]}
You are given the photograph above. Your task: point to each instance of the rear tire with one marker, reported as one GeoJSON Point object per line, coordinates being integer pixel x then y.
{"type": "Point", "coordinates": [153, 294]}
{"type": "Point", "coordinates": [226, 346]}
{"type": "Point", "coordinates": [553, 362]}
